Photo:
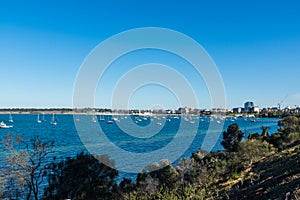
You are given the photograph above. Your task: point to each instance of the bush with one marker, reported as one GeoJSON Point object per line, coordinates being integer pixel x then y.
{"type": "Point", "coordinates": [82, 177]}
{"type": "Point", "coordinates": [232, 138]}
{"type": "Point", "coordinates": [290, 124]}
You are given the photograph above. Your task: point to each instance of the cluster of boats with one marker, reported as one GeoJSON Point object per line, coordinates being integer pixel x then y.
{"type": "Point", "coordinates": [54, 120]}
{"type": "Point", "coordinates": [136, 119]}
{"type": "Point", "coordinates": [159, 119]}
{"type": "Point", "coordinates": [10, 120]}
{"type": "Point", "coordinates": [186, 118]}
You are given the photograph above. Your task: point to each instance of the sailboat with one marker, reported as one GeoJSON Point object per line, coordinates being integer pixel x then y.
{"type": "Point", "coordinates": [116, 119]}
{"type": "Point", "coordinates": [159, 123]}
{"type": "Point", "coordinates": [43, 118]}
{"type": "Point", "coordinates": [3, 125]}
{"type": "Point", "coordinates": [10, 119]}
{"type": "Point", "coordinates": [94, 119]}
{"type": "Point", "coordinates": [101, 118]}
{"type": "Point", "coordinates": [53, 122]}
{"type": "Point", "coordinates": [38, 119]}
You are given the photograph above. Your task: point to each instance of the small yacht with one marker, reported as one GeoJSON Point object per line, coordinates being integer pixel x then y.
{"type": "Point", "coordinates": [3, 125]}
{"type": "Point", "coordinates": [101, 118]}
{"type": "Point", "coordinates": [54, 121]}
{"type": "Point", "coordinates": [94, 119]}
{"type": "Point", "coordinates": [38, 119]}
{"type": "Point", "coordinates": [10, 119]}
{"type": "Point", "coordinates": [138, 119]}
{"type": "Point", "coordinates": [43, 118]}
{"type": "Point", "coordinates": [116, 119]}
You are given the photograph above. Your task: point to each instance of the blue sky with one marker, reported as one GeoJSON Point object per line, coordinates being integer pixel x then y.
{"type": "Point", "coordinates": [255, 44]}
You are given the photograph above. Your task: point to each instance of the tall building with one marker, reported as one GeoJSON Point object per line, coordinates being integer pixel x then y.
{"type": "Point", "coordinates": [248, 106]}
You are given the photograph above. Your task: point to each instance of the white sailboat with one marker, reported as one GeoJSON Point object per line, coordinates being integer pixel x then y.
{"type": "Point", "coordinates": [10, 119]}
{"type": "Point", "coordinates": [116, 119]}
{"type": "Point", "coordinates": [3, 125]}
{"type": "Point", "coordinates": [94, 119]}
{"type": "Point", "coordinates": [43, 118]}
{"type": "Point", "coordinates": [38, 119]}
{"type": "Point", "coordinates": [54, 121]}
{"type": "Point", "coordinates": [101, 118]}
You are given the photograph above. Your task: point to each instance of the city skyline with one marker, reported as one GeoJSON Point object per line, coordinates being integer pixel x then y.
{"type": "Point", "coordinates": [244, 106]}
{"type": "Point", "coordinates": [254, 45]}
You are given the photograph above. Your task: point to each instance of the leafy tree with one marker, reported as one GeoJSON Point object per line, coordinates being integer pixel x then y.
{"type": "Point", "coordinates": [82, 177]}
{"type": "Point", "coordinates": [290, 127]}
{"type": "Point", "coordinates": [187, 171]}
{"type": "Point", "coordinates": [157, 176]}
{"type": "Point", "coordinates": [277, 140]}
{"type": "Point", "coordinates": [290, 124]}
{"type": "Point", "coordinates": [264, 134]}
{"type": "Point", "coordinates": [263, 137]}
{"type": "Point", "coordinates": [126, 189]}
{"type": "Point", "coordinates": [26, 169]}
{"type": "Point", "coordinates": [165, 173]}
{"type": "Point", "coordinates": [264, 131]}
{"type": "Point", "coordinates": [232, 137]}
{"type": "Point", "coordinates": [253, 136]}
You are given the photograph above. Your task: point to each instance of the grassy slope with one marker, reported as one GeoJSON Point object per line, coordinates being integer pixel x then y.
{"type": "Point", "coordinates": [274, 177]}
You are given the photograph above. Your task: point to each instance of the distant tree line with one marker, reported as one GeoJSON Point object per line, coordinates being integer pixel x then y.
{"type": "Point", "coordinates": [278, 113]}
{"type": "Point", "coordinates": [35, 109]}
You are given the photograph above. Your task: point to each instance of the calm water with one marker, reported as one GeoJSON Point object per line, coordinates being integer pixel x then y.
{"type": "Point", "coordinates": [68, 143]}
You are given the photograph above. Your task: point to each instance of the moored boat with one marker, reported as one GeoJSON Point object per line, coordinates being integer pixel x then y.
{"type": "Point", "coordinates": [94, 119]}
{"type": "Point", "coordinates": [54, 120]}
{"type": "Point", "coordinates": [10, 119]}
{"type": "Point", "coordinates": [3, 125]}
{"type": "Point", "coordinates": [38, 119]}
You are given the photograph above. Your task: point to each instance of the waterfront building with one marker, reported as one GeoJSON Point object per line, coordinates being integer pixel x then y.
{"type": "Point", "coordinates": [237, 110]}
{"type": "Point", "coordinates": [248, 106]}
{"type": "Point", "coordinates": [255, 109]}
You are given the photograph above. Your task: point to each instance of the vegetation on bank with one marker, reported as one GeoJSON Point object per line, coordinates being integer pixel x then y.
{"type": "Point", "coordinates": [278, 113]}
{"type": "Point", "coordinates": [263, 166]}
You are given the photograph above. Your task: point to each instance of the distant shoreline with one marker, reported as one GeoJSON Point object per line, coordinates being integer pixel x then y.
{"type": "Point", "coordinates": [61, 112]}
{"type": "Point", "coordinates": [90, 112]}
{"type": "Point", "coordinates": [84, 113]}
{"type": "Point", "coordinates": [106, 111]}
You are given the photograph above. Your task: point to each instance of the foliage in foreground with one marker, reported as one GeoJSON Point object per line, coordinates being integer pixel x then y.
{"type": "Point", "coordinates": [25, 172]}
{"type": "Point", "coordinates": [82, 177]}
{"type": "Point", "coordinates": [264, 166]}
{"type": "Point", "coordinates": [232, 137]}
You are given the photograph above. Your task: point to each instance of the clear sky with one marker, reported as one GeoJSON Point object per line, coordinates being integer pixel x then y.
{"type": "Point", "coordinates": [255, 44]}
